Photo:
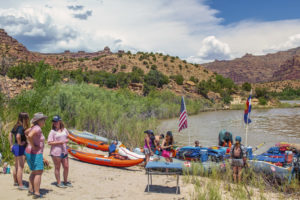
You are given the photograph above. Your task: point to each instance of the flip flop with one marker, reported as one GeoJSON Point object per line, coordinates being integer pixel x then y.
{"type": "Point", "coordinates": [29, 193]}
{"type": "Point", "coordinates": [16, 184]}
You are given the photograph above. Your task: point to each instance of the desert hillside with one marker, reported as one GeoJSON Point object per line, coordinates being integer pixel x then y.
{"type": "Point", "coordinates": [256, 69]}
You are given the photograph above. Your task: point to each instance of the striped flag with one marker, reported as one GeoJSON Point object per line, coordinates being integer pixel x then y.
{"type": "Point", "coordinates": [183, 116]}
{"type": "Point", "coordinates": [248, 107]}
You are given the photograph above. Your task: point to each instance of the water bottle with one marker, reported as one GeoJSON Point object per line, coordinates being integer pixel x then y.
{"type": "Point", "coordinates": [4, 168]}
{"type": "Point", "coordinates": [8, 169]}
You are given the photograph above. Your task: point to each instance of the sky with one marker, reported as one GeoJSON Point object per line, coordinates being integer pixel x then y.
{"type": "Point", "coordinates": [199, 31]}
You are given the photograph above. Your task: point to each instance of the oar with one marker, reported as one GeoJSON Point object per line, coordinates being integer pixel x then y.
{"type": "Point", "coordinates": [258, 146]}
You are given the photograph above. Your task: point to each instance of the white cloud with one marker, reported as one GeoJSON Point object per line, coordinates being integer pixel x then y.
{"type": "Point", "coordinates": [212, 48]}
{"type": "Point", "coordinates": [292, 42]}
{"type": "Point", "coordinates": [189, 29]}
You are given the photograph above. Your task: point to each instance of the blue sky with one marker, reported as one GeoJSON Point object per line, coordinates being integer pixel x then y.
{"type": "Point", "coordinates": [233, 11]}
{"type": "Point", "coordinates": [196, 30]}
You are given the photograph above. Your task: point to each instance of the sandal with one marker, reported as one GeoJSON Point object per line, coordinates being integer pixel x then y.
{"type": "Point", "coordinates": [29, 193]}
{"type": "Point", "coordinates": [16, 184]}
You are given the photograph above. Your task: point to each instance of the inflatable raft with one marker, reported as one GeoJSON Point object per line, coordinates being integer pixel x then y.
{"type": "Point", "coordinates": [89, 143]}
{"type": "Point", "coordinates": [131, 155]}
{"type": "Point", "coordinates": [103, 160]}
{"type": "Point", "coordinates": [270, 169]}
{"type": "Point", "coordinates": [88, 135]}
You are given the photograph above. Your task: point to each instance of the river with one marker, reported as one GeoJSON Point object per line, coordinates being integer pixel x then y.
{"type": "Point", "coordinates": [268, 125]}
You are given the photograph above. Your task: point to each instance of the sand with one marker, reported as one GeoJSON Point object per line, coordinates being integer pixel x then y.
{"type": "Point", "coordinates": [97, 182]}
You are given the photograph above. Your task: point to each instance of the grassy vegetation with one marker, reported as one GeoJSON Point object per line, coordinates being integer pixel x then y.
{"type": "Point", "coordinates": [217, 184]}
{"type": "Point", "coordinates": [119, 114]}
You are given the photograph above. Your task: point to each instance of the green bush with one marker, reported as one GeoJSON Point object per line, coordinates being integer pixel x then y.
{"type": "Point", "coordinates": [195, 80]}
{"type": "Point", "coordinates": [22, 70]}
{"type": "Point", "coordinates": [178, 79]}
{"type": "Point", "coordinates": [123, 67]}
{"type": "Point", "coordinates": [156, 78]}
{"type": "Point", "coordinates": [262, 101]}
{"type": "Point", "coordinates": [154, 67]}
{"type": "Point", "coordinates": [111, 81]}
{"type": "Point", "coordinates": [246, 86]}
{"type": "Point", "coordinates": [203, 88]}
{"type": "Point", "coordinates": [165, 58]}
{"type": "Point", "coordinates": [261, 92]}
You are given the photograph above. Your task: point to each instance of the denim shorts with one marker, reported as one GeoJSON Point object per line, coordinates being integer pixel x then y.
{"type": "Point", "coordinates": [146, 151]}
{"type": "Point", "coordinates": [35, 161]}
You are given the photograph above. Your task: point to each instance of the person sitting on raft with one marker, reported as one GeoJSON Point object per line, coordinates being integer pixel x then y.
{"type": "Point", "coordinates": [197, 144]}
{"type": "Point", "coordinates": [238, 154]}
{"type": "Point", "coordinates": [225, 138]}
{"type": "Point", "coordinates": [167, 146]}
{"type": "Point", "coordinates": [157, 146]}
{"type": "Point", "coordinates": [148, 146]}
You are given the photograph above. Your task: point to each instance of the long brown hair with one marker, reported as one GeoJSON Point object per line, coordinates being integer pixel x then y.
{"type": "Point", "coordinates": [61, 126]}
{"type": "Point", "coordinates": [23, 120]}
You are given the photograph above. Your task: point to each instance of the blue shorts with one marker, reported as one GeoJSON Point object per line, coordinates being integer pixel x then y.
{"type": "Point", "coordinates": [35, 161]}
{"type": "Point", "coordinates": [18, 150]}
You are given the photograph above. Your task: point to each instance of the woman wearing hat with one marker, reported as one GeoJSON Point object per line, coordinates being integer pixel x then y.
{"type": "Point", "coordinates": [34, 153]}
{"type": "Point", "coordinates": [58, 139]}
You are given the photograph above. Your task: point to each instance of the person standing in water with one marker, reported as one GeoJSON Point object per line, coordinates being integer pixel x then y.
{"type": "Point", "coordinates": [238, 154]}
{"type": "Point", "coordinates": [18, 148]}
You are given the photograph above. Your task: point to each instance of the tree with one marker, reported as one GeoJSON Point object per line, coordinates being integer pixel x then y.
{"type": "Point", "coordinates": [202, 88]}
{"type": "Point", "coordinates": [246, 86]}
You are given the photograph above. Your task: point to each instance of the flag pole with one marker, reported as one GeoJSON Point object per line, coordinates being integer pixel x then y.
{"type": "Point", "coordinates": [248, 116]}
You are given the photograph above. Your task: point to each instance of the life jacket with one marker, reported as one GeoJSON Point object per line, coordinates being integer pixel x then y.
{"type": "Point", "coordinates": [296, 162]}
{"type": "Point", "coordinates": [237, 153]}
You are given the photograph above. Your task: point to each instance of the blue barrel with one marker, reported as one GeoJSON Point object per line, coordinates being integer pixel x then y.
{"type": "Point", "coordinates": [249, 152]}
{"type": "Point", "coordinates": [204, 155]}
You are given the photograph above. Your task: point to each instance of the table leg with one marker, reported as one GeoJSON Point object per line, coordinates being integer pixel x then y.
{"type": "Point", "coordinates": [177, 184]}
{"type": "Point", "coordinates": [148, 181]}
{"type": "Point", "coordinates": [151, 178]}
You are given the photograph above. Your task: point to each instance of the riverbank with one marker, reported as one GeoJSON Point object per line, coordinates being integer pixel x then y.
{"type": "Point", "coordinates": [97, 182]}
{"type": "Point", "coordinates": [100, 182]}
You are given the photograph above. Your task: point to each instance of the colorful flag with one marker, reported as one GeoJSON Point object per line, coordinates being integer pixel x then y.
{"type": "Point", "coordinates": [247, 119]}
{"type": "Point", "coordinates": [183, 116]}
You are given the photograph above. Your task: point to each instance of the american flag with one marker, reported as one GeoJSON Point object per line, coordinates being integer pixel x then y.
{"type": "Point", "coordinates": [183, 116]}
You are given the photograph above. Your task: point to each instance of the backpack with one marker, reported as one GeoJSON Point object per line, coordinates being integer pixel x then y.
{"type": "Point", "coordinates": [239, 151]}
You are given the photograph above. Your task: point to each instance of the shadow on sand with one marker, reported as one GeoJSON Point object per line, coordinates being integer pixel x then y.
{"type": "Point", "coordinates": [162, 189]}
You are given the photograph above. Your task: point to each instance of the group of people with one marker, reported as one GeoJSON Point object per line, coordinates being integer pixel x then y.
{"type": "Point", "coordinates": [27, 143]}
{"type": "Point", "coordinates": [154, 147]}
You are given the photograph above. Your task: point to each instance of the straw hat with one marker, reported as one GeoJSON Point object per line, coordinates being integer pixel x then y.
{"type": "Point", "coordinates": [37, 117]}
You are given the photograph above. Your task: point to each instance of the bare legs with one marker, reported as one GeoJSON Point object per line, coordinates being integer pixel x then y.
{"type": "Point", "coordinates": [35, 179]}
{"type": "Point", "coordinates": [18, 171]}
{"type": "Point", "coordinates": [237, 174]}
{"type": "Point", "coordinates": [65, 164]}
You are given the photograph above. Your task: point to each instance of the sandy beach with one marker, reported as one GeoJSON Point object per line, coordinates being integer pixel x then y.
{"type": "Point", "coordinates": [97, 182]}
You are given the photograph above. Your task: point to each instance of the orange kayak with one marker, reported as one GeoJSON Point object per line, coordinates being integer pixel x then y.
{"type": "Point", "coordinates": [102, 160]}
{"type": "Point", "coordinates": [98, 145]}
